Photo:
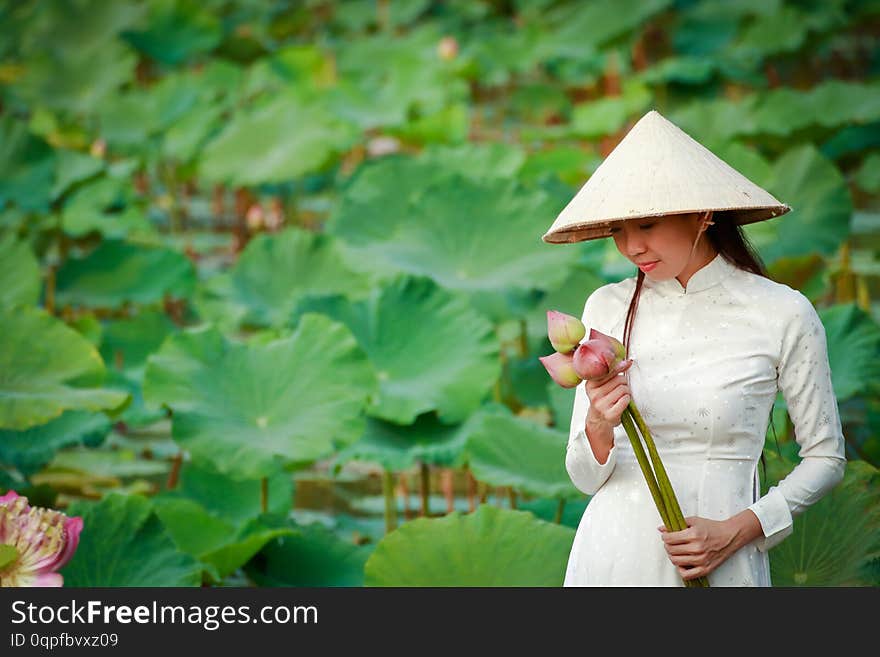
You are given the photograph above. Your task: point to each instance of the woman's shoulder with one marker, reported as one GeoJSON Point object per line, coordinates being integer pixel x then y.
{"type": "Point", "coordinates": [611, 295]}
{"type": "Point", "coordinates": [777, 299]}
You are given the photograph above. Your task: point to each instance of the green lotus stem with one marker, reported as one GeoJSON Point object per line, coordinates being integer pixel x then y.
{"type": "Point", "coordinates": [390, 501]}
{"type": "Point", "coordinates": [636, 443]}
{"type": "Point", "coordinates": [669, 499]}
{"type": "Point", "coordinates": [676, 520]}
{"type": "Point", "coordinates": [560, 507]}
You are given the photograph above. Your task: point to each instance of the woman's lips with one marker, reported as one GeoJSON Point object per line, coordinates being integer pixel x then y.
{"type": "Point", "coordinates": [649, 266]}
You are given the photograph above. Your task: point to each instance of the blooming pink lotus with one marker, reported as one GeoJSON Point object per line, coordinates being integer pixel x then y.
{"type": "Point", "coordinates": [597, 356]}
{"type": "Point", "coordinates": [560, 368]}
{"type": "Point", "coordinates": [564, 331]}
{"type": "Point", "coordinates": [34, 542]}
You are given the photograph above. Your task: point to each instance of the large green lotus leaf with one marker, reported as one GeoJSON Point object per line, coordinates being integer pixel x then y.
{"type": "Point", "coordinates": [403, 77]}
{"type": "Point", "coordinates": [700, 34]}
{"type": "Point", "coordinates": [771, 34]}
{"type": "Point", "coordinates": [277, 142]}
{"type": "Point", "coordinates": [117, 273]}
{"type": "Point", "coordinates": [31, 449]}
{"type": "Point", "coordinates": [470, 236]}
{"type": "Point", "coordinates": [489, 547]}
{"type": "Point", "coordinates": [498, 52]}
{"type": "Point", "coordinates": [236, 501]}
{"type": "Point", "coordinates": [744, 159]}
{"type": "Point", "coordinates": [304, 66]}
{"type": "Point", "coordinates": [359, 15]}
{"type": "Point", "coordinates": [508, 451]}
{"type": "Point", "coordinates": [868, 175]}
{"type": "Point", "coordinates": [608, 115]}
{"type": "Point", "coordinates": [47, 368]}
{"type": "Point", "coordinates": [476, 161]}
{"type": "Point", "coordinates": [246, 409]}
{"type": "Point", "coordinates": [851, 140]}
{"type": "Point", "coordinates": [450, 125]}
{"type": "Point", "coordinates": [222, 546]}
{"type": "Point", "coordinates": [571, 164]}
{"type": "Point", "coordinates": [136, 414]}
{"type": "Point", "coordinates": [20, 278]}
{"type": "Point", "coordinates": [853, 350]}
{"type": "Point", "coordinates": [184, 140]}
{"type": "Point", "coordinates": [73, 167]}
{"type": "Point", "coordinates": [399, 447]}
{"type": "Point", "coordinates": [275, 272]}
{"type": "Point", "coordinates": [546, 508]}
{"type": "Point", "coordinates": [369, 193]}
{"type": "Point", "coordinates": [683, 70]}
{"type": "Point", "coordinates": [71, 28]}
{"type": "Point", "coordinates": [568, 298]}
{"type": "Point", "coordinates": [860, 417]}
{"type": "Point", "coordinates": [176, 31]}
{"type": "Point", "coordinates": [123, 543]}
{"type": "Point", "coordinates": [540, 103]}
{"type": "Point", "coordinates": [833, 538]}
{"type": "Point", "coordinates": [126, 343]}
{"type": "Point", "coordinates": [443, 357]}
{"type": "Point", "coordinates": [831, 104]}
{"type": "Point", "coordinates": [120, 463]}
{"type": "Point", "coordinates": [718, 119]}
{"type": "Point", "coordinates": [76, 84]}
{"type": "Point", "coordinates": [104, 206]}
{"type": "Point", "coordinates": [578, 27]}
{"type": "Point", "coordinates": [821, 207]}
{"type": "Point", "coordinates": [561, 405]}
{"type": "Point", "coordinates": [311, 555]}
{"type": "Point", "coordinates": [27, 166]}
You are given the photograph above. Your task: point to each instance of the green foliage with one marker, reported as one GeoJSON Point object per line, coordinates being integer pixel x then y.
{"type": "Point", "coordinates": [249, 409]}
{"type": "Point", "coordinates": [47, 368]}
{"type": "Point", "coordinates": [123, 543]}
{"type": "Point", "coordinates": [304, 237]}
{"type": "Point", "coordinates": [490, 547]}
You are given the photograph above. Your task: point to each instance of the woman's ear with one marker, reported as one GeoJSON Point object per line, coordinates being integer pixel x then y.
{"type": "Point", "coordinates": [706, 220]}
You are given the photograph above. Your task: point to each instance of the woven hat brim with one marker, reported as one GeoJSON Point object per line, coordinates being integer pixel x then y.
{"type": "Point", "coordinates": [740, 216]}
{"type": "Point", "coordinates": [656, 170]}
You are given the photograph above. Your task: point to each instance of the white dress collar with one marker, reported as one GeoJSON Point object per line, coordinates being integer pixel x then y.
{"type": "Point", "coordinates": [707, 276]}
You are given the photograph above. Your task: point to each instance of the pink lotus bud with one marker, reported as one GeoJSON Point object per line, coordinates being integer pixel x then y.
{"type": "Point", "coordinates": [597, 356]}
{"type": "Point", "coordinates": [447, 48]}
{"type": "Point", "coordinates": [560, 368]}
{"type": "Point", "coordinates": [564, 331]}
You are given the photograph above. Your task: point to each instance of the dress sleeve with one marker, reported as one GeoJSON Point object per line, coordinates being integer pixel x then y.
{"type": "Point", "coordinates": [585, 471]}
{"type": "Point", "coordinates": [804, 377]}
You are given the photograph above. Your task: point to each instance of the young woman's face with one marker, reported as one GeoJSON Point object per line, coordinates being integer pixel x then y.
{"type": "Point", "coordinates": [667, 240]}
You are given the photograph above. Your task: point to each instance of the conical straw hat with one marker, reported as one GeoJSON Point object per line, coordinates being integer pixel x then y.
{"type": "Point", "coordinates": [657, 169]}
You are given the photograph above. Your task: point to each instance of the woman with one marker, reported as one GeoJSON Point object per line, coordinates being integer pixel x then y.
{"type": "Point", "coordinates": [710, 341]}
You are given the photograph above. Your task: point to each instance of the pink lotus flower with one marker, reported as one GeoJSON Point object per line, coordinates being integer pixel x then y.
{"type": "Point", "coordinates": [560, 368]}
{"type": "Point", "coordinates": [34, 542]}
{"type": "Point", "coordinates": [564, 331]}
{"type": "Point", "coordinates": [597, 356]}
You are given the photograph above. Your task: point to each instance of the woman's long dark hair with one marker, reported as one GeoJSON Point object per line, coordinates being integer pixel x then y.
{"type": "Point", "coordinates": [728, 240]}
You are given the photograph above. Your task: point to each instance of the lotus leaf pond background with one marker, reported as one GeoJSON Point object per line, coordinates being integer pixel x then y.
{"type": "Point", "coordinates": [272, 289]}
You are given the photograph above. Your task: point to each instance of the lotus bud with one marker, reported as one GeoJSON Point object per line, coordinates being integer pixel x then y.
{"type": "Point", "coordinates": [597, 356]}
{"type": "Point", "coordinates": [564, 331]}
{"type": "Point", "coordinates": [560, 368]}
{"type": "Point", "coordinates": [616, 345]}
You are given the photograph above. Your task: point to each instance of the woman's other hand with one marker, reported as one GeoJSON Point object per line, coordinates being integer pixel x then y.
{"type": "Point", "coordinates": [701, 548]}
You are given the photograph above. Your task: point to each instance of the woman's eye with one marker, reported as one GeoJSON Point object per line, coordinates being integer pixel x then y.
{"type": "Point", "coordinates": [648, 226]}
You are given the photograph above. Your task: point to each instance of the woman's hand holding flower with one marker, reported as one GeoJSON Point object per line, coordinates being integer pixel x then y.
{"type": "Point", "coordinates": [609, 396]}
